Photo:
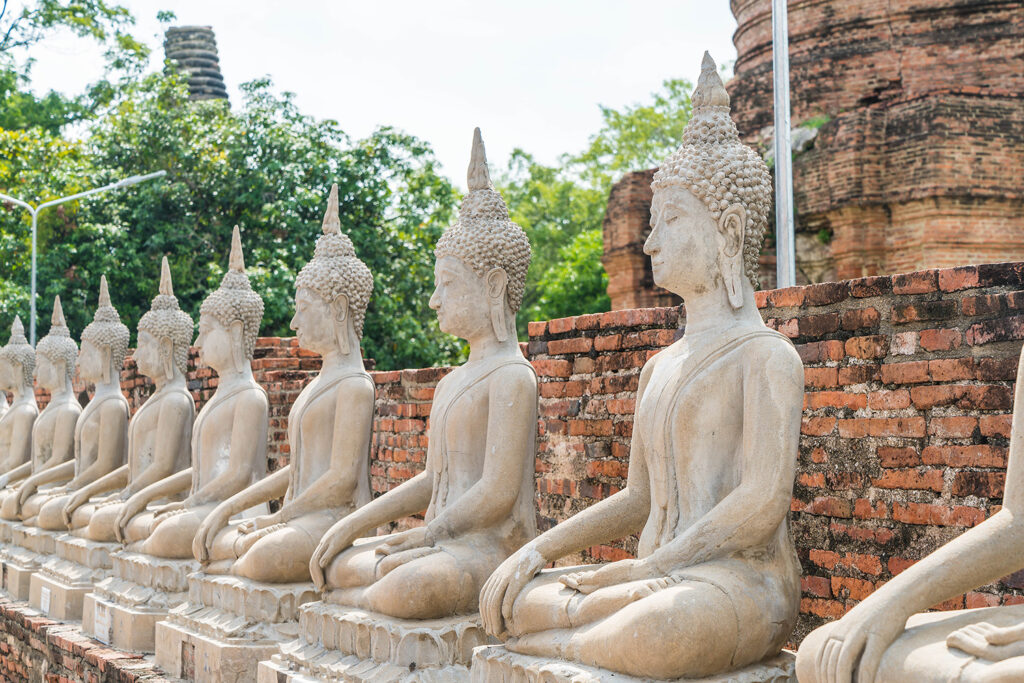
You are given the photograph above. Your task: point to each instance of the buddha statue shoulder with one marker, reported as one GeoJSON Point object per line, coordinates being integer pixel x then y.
{"type": "Point", "coordinates": [229, 436]}
{"type": "Point", "coordinates": [159, 433]}
{"type": "Point", "coordinates": [715, 585]}
{"type": "Point", "coordinates": [477, 488]}
{"type": "Point", "coordinates": [329, 429]}
{"type": "Point", "coordinates": [17, 365]}
{"type": "Point", "coordinates": [53, 432]}
{"type": "Point", "coordinates": [101, 433]}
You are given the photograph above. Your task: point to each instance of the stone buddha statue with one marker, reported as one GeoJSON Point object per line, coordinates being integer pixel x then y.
{"type": "Point", "coordinates": [53, 432]}
{"type": "Point", "coordinates": [229, 437]}
{"type": "Point", "coordinates": [329, 429]}
{"type": "Point", "coordinates": [159, 434]}
{"type": "Point", "coordinates": [478, 487]}
{"type": "Point", "coordinates": [17, 364]}
{"type": "Point", "coordinates": [102, 429]}
{"type": "Point", "coordinates": [889, 636]}
{"type": "Point", "coordinates": [715, 585]}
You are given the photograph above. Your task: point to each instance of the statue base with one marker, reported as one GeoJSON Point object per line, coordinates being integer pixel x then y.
{"type": "Point", "coordinates": [227, 626]}
{"type": "Point", "coordinates": [7, 529]}
{"type": "Point", "coordinates": [59, 588]}
{"type": "Point", "coordinates": [495, 664]}
{"type": "Point", "coordinates": [352, 645]}
{"type": "Point", "coordinates": [123, 608]}
{"type": "Point", "coordinates": [22, 557]}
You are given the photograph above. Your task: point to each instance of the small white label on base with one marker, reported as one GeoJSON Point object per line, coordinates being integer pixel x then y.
{"type": "Point", "coordinates": [101, 623]}
{"type": "Point", "coordinates": [44, 600]}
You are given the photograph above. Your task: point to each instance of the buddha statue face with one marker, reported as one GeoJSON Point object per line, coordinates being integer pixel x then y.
{"type": "Point", "coordinates": [93, 362]}
{"type": "Point", "coordinates": [319, 324]}
{"type": "Point", "coordinates": [464, 300]}
{"type": "Point", "coordinates": [49, 374]}
{"type": "Point", "coordinates": [153, 355]}
{"type": "Point", "coordinates": [10, 376]}
{"type": "Point", "coordinates": [220, 347]}
{"type": "Point", "coordinates": [689, 248]}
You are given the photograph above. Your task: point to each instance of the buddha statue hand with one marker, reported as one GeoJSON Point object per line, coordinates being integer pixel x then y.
{"type": "Point", "coordinates": [857, 642]}
{"type": "Point", "coordinates": [130, 509]}
{"type": "Point", "coordinates": [202, 544]}
{"type": "Point", "coordinates": [506, 583]}
{"type": "Point", "coordinates": [337, 538]}
{"type": "Point", "coordinates": [4, 480]}
{"type": "Point", "coordinates": [612, 574]}
{"type": "Point", "coordinates": [24, 493]}
{"type": "Point", "coordinates": [986, 641]}
{"type": "Point", "coordinates": [74, 502]}
{"type": "Point", "coordinates": [420, 537]}
{"type": "Point", "coordinates": [262, 522]}
{"type": "Point", "coordinates": [169, 507]}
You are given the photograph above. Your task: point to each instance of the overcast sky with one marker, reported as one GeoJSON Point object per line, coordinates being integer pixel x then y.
{"type": "Point", "coordinates": [530, 73]}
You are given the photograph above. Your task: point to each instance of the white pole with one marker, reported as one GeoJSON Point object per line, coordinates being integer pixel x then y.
{"type": "Point", "coordinates": [34, 210]}
{"type": "Point", "coordinates": [785, 250]}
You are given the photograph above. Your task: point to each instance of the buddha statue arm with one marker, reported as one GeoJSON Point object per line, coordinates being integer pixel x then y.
{"type": "Point", "coordinates": [165, 488]}
{"type": "Point", "coordinates": [59, 472]}
{"type": "Point", "coordinates": [407, 499]}
{"type": "Point", "coordinates": [111, 447]}
{"type": "Point", "coordinates": [248, 443]}
{"type": "Point", "coordinates": [269, 488]}
{"type": "Point", "coordinates": [16, 474]}
{"type": "Point", "coordinates": [20, 451]}
{"type": "Point", "coordinates": [353, 423]}
{"type": "Point", "coordinates": [108, 482]}
{"type": "Point", "coordinates": [981, 555]}
{"type": "Point", "coordinates": [750, 514]}
{"type": "Point", "coordinates": [512, 398]}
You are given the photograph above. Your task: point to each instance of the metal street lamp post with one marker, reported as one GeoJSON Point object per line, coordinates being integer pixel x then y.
{"type": "Point", "coordinates": [34, 211]}
{"type": "Point", "coordinates": [785, 250]}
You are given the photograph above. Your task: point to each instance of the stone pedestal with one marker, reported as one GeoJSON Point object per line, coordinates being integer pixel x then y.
{"type": "Point", "coordinates": [347, 644]}
{"type": "Point", "coordinates": [59, 588]}
{"type": "Point", "coordinates": [7, 530]}
{"type": "Point", "coordinates": [227, 626]}
{"type": "Point", "coordinates": [495, 664]}
{"type": "Point", "coordinates": [140, 592]}
{"type": "Point", "coordinates": [23, 556]}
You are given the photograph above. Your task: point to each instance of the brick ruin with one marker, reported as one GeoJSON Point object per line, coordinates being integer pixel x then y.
{"type": "Point", "coordinates": [916, 158]}
{"type": "Point", "coordinates": [194, 50]}
{"type": "Point", "coordinates": [909, 385]}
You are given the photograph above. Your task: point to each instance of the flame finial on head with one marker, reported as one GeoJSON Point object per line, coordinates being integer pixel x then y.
{"type": "Point", "coordinates": [17, 332]}
{"type": "Point", "coordinates": [478, 177]}
{"type": "Point", "coordinates": [104, 292]}
{"type": "Point", "coordinates": [166, 287]}
{"type": "Point", "coordinates": [57, 319]}
{"type": "Point", "coordinates": [710, 91]}
{"type": "Point", "coordinates": [332, 220]}
{"type": "Point", "coordinates": [236, 262]}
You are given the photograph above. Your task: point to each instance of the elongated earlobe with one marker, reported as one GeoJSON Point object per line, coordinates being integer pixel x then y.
{"type": "Point", "coordinates": [167, 357]}
{"type": "Point", "coordinates": [731, 229]}
{"type": "Point", "coordinates": [340, 307]}
{"type": "Point", "coordinates": [106, 365]}
{"type": "Point", "coordinates": [238, 340]}
{"type": "Point", "coordinates": [497, 282]}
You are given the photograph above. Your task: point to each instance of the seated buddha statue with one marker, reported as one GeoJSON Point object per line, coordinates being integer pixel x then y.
{"type": "Point", "coordinates": [889, 637]}
{"type": "Point", "coordinates": [159, 434]}
{"type": "Point", "coordinates": [715, 584]}
{"type": "Point", "coordinates": [102, 429]}
{"type": "Point", "coordinates": [329, 429]}
{"type": "Point", "coordinates": [17, 364]}
{"type": "Point", "coordinates": [477, 488]}
{"type": "Point", "coordinates": [53, 432]}
{"type": "Point", "coordinates": [229, 436]}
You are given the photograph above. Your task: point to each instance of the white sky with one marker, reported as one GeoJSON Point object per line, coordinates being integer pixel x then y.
{"type": "Point", "coordinates": [530, 73]}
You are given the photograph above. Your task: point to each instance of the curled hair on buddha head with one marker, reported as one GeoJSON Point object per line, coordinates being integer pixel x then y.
{"type": "Point", "coordinates": [235, 299]}
{"type": "Point", "coordinates": [165, 320]}
{"type": "Point", "coordinates": [335, 269]}
{"type": "Point", "coordinates": [107, 330]}
{"type": "Point", "coordinates": [716, 167]}
{"type": "Point", "coordinates": [484, 237]}
{"type": "Point", "coordinates": [18, 350]}
{"type": "Point", "coordinates": [58, 345]}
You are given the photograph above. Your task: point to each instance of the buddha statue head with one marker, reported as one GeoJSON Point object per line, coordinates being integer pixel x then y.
{"type": "Point", "coordinates": [56, 353]}
{"type": "Point", "coordinates": [711, 202]}
{"type": "Point", "coordinates": [17, 360]}
{"type": "Point", "coordinates": [482, 260]}
{"type": "Point", "coordinates": [332, 290]}
{"type": "Point", "coordinates": [104, 342]}
{"type": "Point", "coordinates": [165, 332]}
{"type": "Point", "coordinates": [230, 317]}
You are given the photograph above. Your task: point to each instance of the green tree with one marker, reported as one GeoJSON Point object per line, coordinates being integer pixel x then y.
{"type": "Point", "coordinates": [576, 282]}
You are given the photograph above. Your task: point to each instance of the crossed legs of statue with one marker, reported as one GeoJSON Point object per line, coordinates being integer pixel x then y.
{"type": "Point", "coordinates": [447, 576]}
{"type": "Point", "coordinates": [643, 622]}
{"type": "Point", "coordinates": [275, 554]}
{"type": "Point", "coordinates": [167, 535]}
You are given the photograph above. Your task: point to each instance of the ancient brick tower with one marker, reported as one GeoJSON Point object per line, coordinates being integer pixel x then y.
{"type": "Point", "coordinates": [918, 161]}
{"type": "Point", "coordinates": [194, 49]}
